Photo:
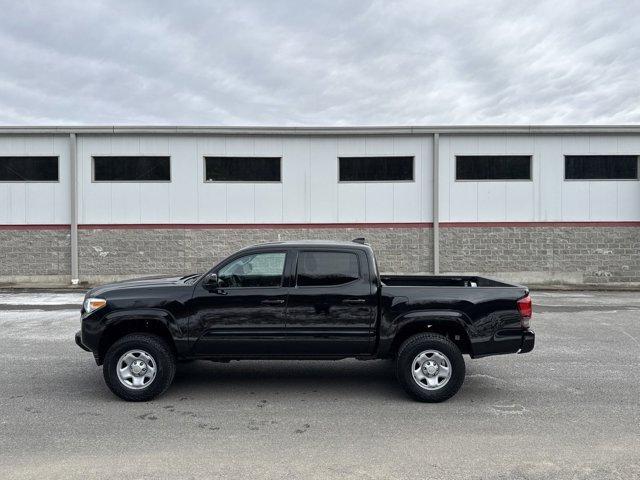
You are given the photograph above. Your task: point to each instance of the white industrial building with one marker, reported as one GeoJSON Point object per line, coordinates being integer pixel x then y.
{"type": "Point", "coordinates": [565, 200]}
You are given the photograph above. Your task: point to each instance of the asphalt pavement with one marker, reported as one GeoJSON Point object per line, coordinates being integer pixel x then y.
{"type": "Point", "coordinates": [569, 409]}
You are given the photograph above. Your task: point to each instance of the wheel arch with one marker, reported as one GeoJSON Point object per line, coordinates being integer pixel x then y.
{"type": "Point", "coordinates": [123, 323]}
{"type": "Point", "coordinates": [451, 325]}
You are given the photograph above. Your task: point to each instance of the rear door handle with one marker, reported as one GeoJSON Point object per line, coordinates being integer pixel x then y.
{"type": "Point", "coordinates": [354, 301]}
{"type": "Point", "coordinates": [272, 302]}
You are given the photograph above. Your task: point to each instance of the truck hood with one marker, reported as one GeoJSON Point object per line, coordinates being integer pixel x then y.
{"type": "Point", "coordinates": [146, 282]}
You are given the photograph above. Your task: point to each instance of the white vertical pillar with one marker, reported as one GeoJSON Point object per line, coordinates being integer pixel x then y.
{"type": "Point", "coordinates": [73, 201]}
{"type": "Point", "coordinates": [436, 202]}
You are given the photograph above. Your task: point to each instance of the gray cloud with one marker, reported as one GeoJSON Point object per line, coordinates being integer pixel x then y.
{"type": "Point", "coordinates": [349, 62]}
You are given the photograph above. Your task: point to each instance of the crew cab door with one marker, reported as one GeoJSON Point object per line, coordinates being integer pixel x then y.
{"type": "Point", "coordinates": [331, 308]}
{"type": "Point", "coordinates": [245, 314]}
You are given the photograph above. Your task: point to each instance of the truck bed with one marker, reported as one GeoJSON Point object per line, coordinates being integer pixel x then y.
{"type": "Point", "coordinates": [440, 281]}
{"type": "Point", "coordinates": [481, 309]}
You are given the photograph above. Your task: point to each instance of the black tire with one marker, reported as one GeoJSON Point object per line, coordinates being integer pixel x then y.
{"type": "Point", "coordinates": [417, 344]}
{"type": "Point", "coordinates": [160, 352]}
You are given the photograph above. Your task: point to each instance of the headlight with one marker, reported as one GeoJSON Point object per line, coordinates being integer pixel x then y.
{"type": "Point", "coordinates": [92, 304]}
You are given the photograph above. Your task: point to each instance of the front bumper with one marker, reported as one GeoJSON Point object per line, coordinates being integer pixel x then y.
{"type": "Point", "coordinates": [528, 341]}
{"type": "Point", "coordinates": [79, 342]}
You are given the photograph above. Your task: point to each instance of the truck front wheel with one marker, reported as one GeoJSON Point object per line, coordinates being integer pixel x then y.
{"type": "Point", "coordinates": [430, 367]}
{"type": "Point", "coordinates": [139, 367]}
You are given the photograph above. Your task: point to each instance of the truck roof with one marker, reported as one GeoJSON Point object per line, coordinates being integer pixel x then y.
{"type": "Point", "coordinates": [312, 243]}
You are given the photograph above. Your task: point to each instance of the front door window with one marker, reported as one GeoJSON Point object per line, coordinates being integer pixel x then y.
{"type": "Point", "coordinates": [254, 270]}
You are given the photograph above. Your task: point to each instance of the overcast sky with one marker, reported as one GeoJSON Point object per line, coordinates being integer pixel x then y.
{"type": "Point", "coordinates": [299, 62]}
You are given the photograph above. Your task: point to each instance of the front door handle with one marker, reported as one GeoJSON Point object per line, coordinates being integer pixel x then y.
{"type": "Point", "coordinates": [354, 301]}
{"type": "Point", "coordinates": [272, 302]}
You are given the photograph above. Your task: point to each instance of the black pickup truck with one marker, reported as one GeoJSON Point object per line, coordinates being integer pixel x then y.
{"type": "Point", "coordinates": [302, 300]}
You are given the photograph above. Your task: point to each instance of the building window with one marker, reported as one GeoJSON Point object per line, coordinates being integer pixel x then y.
{"type": "Point", "coordinates": [601, 167]}
{"type": "Point", "coordinates": [131, 169]}
{"type": "Point", "coordinates": [242, 169]}
{"type": "Point", "coordinates": [29, 169]}
{"type": "Point", "coordinates": [375, 169]}
{"type": "Point", "coordinates": [327, 268]}
{"type": "Point", "coordinates": [493, 167]}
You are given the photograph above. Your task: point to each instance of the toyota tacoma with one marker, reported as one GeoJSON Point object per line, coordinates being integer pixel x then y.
{"type": "Point", "coordinates": [302, 300]}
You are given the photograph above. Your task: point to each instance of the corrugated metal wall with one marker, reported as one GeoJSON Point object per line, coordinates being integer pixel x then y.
{"type": "Point", "coordinates": [310, 191]}
{"type": "Point", "coordinates": [36, 202]}
{"type": "Point", "coordinates": [548, 197]}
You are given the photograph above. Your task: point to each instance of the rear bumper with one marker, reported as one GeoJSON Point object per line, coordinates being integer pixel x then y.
{"type": "Point", "coordinates": [528, 341]}
{"type": "Point", "coordinates": [79, 342]}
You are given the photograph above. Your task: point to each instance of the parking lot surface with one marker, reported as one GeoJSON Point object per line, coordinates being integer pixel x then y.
{"type": "Point", "coordinates": [569, 409]}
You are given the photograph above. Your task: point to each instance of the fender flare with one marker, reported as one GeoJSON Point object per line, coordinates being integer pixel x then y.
{"type": "Point", "coordinates": [423, 320]}
{"type": "Point", "coordinates": [155, 314]}
{"type": "Point", "coordinates": [119, 317]}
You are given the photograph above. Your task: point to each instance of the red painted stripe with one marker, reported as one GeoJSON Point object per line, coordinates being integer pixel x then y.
{"type": "Point", "coordinates": [35, 227]}
{"type": "Point", "coordinates": [538, 224]}
{"type": "Point", "coordinates": [232, 226]}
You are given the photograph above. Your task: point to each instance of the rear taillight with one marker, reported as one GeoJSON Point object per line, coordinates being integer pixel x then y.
{"type": "Point", "coordinates": [525, 309]}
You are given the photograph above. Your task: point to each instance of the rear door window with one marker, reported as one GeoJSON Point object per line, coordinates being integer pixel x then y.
{"type": "Point", "coordinates": [327, 268]}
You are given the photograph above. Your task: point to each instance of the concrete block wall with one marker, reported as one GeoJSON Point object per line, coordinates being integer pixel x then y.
{"type": "Point", "coordinates": [544, 254]}
{"type": "Point", "coordinates": [26, 254]}
{"type": "Point", "coordinates": [559, 254]}
{"type": "Point", "coordinates": [110, 254]}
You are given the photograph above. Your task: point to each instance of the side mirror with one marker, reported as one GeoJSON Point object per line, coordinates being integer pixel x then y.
{"type": "Point", "coordinates": [211, 281]}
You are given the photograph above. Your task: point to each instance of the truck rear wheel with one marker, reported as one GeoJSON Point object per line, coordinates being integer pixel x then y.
{"type": "Point", "coordinates": [430, 367]}
{"type": "Point", "coordinates": [139, 367]}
